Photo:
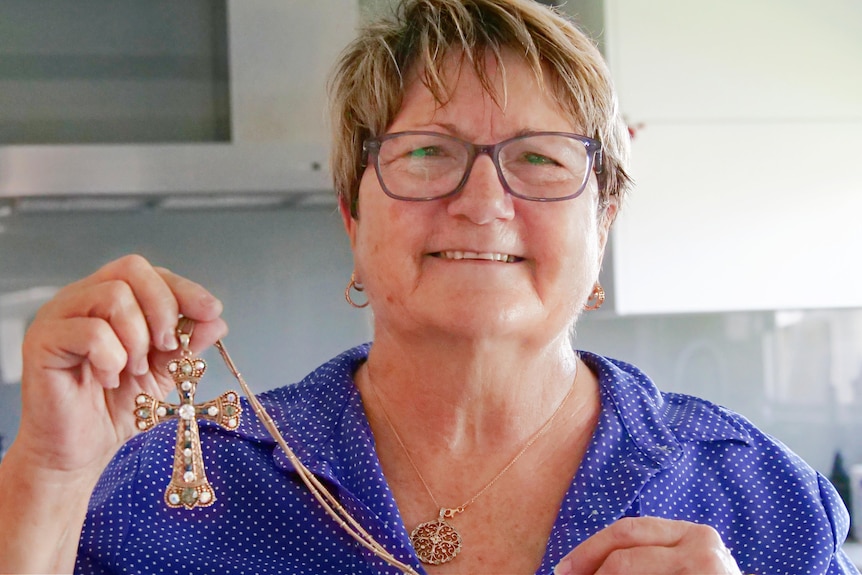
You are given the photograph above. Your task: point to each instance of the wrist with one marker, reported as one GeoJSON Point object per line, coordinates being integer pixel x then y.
{"type": "Point", "coordinates": [42, 511]}
{"type": "Point", "coordinates": [23, 465]}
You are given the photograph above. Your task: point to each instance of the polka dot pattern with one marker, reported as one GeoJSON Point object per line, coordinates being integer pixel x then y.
{"type": "Point", "coordinates": [663, 455]}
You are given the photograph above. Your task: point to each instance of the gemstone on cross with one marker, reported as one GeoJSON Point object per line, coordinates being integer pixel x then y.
{"type": "Point", "coordinates": [189, 486]}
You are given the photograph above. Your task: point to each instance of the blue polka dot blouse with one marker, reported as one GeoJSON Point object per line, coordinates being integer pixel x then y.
{"type": "Point", "coordinates": [655, 454]}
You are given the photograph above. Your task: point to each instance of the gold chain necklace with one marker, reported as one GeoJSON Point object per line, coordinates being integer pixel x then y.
{"type": "Point", "coordinates": [189, 487]}
{"type": "Point", "coordinates": [328, 501]}
{"type": "Point", "coordinates": [437, 541]}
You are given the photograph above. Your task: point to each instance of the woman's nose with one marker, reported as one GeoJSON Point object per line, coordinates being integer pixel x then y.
{"type": "Point", "coordinates": [483, 198]}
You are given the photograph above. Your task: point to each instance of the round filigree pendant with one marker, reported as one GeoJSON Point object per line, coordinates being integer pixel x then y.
{"type": "Point", "coordinates": [436, 542]}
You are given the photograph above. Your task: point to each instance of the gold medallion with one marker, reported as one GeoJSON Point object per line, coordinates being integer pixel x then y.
{"type": "Point", "coordinates": [436, 542]}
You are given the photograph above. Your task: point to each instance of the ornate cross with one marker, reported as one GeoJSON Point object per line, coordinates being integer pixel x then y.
{"type": "Point", "coordinates": [189, 487]}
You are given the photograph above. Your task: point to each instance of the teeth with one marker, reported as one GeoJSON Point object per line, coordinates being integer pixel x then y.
{"type": "Point", "coordinates": [494, 257]}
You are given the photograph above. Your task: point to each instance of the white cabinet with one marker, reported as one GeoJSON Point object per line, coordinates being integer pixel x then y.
{"type": "Point", "coordinates": [747, 162]}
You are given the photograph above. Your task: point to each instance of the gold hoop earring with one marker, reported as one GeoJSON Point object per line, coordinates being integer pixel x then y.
{"type": "Point", "coordinates": [596, 299]}
{"type": "Point", "coordinates": [358, 287]}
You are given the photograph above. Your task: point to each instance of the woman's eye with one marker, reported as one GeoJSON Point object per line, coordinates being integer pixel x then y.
{"type": "Point", "coordinates": [424, 152]}
{"type": "Point", "coordinates": [539, 160]}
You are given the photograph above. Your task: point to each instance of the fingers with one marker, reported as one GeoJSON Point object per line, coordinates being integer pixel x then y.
{"type": "Point", "coordinates": [194, 302]}
{"type": "Point", "coordinates": [93, 339]}
{"type": "Point", "coordinates": [114, 305]}
{"type": "Point", "coordinates": [161, 296]}
{"type": "Point", "coordinates": [650, 545]}
{"type": "Point", "coordinates": [138, 304]}
{"type": "Point", "coordinates": [624, 534]}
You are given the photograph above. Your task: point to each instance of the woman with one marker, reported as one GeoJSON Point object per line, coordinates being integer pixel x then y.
{"type": "Point", "coordinates": [479, 161]}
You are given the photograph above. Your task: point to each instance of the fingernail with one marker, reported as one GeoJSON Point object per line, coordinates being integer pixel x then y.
{"type": "Point", "coordinates": [563, 569]}
{"type": "Point", "coordinates": [112, 383]}
{"type": "Point", "coordinates": [142, 366]}
{"type": "Point", "coordinates": [210, 300]}
{"type": "Point", "coordinates": [169, 341]}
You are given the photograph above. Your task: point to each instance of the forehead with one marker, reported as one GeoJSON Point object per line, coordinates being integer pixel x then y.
{"type": "Point", "coordinates": [498, 87]}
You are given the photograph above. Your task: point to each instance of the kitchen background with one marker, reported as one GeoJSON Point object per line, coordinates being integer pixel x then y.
{"type": "Point", "coordinates": [187, 135]}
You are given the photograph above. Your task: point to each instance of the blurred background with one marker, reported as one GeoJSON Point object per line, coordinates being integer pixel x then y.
{"type": "Point", "coordinates": [195, 133]}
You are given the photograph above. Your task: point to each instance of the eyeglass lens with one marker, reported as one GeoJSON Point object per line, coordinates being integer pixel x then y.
{"type": "Point", "coordinates": [539, 166]}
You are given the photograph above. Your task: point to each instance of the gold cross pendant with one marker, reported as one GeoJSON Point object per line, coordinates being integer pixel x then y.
{"type": "Point", "coordinates": [189, 486]}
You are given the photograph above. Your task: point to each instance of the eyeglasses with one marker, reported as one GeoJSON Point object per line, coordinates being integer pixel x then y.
{"type": "Point", "coordinates": [539, 166]}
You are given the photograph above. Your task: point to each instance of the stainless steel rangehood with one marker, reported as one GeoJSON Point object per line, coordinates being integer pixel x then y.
{"type": "Point", "coordinates": [279, 55]}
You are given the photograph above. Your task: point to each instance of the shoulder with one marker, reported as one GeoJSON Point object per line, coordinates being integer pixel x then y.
{"type": "Point", "coordinates": [308, 407]}
{"type": "Point", "coordinates": [247, 471]}
{"type": "Point", "coordinates": [660, 423]}
{"type": "Point", "coordinates": [321, 392]}
{"type": "Point", "coordinates": [715, 466]}
{"type": "Point", "coordinates": [305, 412]}
{"type": "Point", "coordinates": [683, 421]}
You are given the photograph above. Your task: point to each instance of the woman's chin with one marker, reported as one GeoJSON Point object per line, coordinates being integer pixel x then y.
{"type": "Point", "coordinates": [482, 316]}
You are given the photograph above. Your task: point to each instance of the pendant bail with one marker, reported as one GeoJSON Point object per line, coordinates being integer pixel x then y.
{"type": "Point", "coordinates": [185, 328]}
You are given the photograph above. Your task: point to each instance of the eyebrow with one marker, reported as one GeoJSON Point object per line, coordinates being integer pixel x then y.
{"type": "Point", "coordinates": [453, 129]}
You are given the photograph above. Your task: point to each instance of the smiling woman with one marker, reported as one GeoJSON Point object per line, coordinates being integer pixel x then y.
{"type": "Point", "coordinates": [549, 252]}
{"type": "Point", "coordinates": [480, 163]}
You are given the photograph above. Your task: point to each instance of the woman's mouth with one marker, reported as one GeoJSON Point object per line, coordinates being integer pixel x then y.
{"type": "Point", "coordinates": [486, 256]}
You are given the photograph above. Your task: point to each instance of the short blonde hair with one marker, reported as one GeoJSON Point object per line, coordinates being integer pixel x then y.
{"type": "Point", "coordinates": [368, 84]}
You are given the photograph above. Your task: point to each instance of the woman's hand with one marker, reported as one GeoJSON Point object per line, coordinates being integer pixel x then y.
{"type": "Point", "coordinates": [89, 351]}
{"type": "Point", "coordinates": [92, 348]}
{"type": "Point", "coordinates": [650, 545]}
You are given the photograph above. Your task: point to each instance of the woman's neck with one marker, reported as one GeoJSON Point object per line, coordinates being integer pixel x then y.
{"type": "Point", "coordinates": [469, 398]}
